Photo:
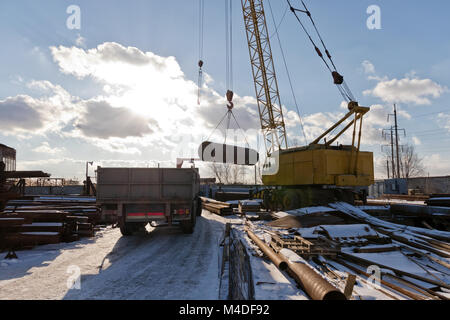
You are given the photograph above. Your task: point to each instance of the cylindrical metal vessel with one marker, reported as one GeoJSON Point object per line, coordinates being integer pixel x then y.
{"type": "Point", "coordinates": [223, 153]}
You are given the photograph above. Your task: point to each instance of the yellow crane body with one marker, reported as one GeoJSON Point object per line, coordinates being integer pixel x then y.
{"type": "Point", "coordinates": [325, 164]}
{"type": "Point", "coordinates": [319, 173]}
{"type": "Point", "coordinates": [321, 166]}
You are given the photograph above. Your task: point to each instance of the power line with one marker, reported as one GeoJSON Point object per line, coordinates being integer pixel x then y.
{"type": "Point", "coordinates": [277, 27]}
{"type": "Point", "coordinates": [429, 130]}
{"type": "Point", "coordinates": [288, 74]}
{"type": "Point", "coordinates": [432, 113]}
{"type": "Point", "coordinates": [432, 134]}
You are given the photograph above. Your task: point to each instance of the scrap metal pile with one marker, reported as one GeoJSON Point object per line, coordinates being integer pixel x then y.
{"type": "Point", "coordinates": [47, 220]}
{"type": "Point", "coordinates": [340, 251]}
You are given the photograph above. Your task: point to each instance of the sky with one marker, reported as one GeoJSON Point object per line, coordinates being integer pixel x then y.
{"type": "Point", "coordinates": [122, 89]}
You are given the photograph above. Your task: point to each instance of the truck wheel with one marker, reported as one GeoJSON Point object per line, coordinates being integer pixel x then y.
{"type": "Point", "coordinates": [199, 208]}
{"type": "Point", "coordinates": [187, 227]}
{"type": "Point", "coordinates": [126, 230]}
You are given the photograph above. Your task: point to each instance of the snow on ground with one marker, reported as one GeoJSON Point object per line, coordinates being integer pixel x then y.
{"type": "Point", "coordinates": [349, 230]}
{"type": "Point", "coordinates": [309, 210]}
{"type": "Point", "coordinates": [391, 201]}
{"type": "Point", "coordinates": [161, 264]}
{"type": "Point", "coordinates": [302, 211]}
{"type": "Point", "coordinates": [167, 264]}
{"type": "Point", "coordinates": [378, 208]}
{"type": "Point", "coordinates": [270, 282]}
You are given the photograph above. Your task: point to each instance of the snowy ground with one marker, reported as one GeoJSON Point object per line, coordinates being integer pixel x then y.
{"type": "Point", "coordinates": [164, 263]}
{"type": "Point", "coordinates": [161, 264]}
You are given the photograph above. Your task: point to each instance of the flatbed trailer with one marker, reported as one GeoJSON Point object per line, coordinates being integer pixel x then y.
{"type": "Point", "coordinates": [138, 196]}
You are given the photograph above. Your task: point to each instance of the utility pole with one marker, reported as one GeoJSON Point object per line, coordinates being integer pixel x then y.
{"type": "Point", "coordinates": [390, 132]}
{"type": "Point", "coordinates": [396, 171]}
{"type": "Point", "coordinates": [392, 154]}
{"type": "Point", "coordinates": [396, 142]}
{"type": "Point", "coordinates": [387, 168]}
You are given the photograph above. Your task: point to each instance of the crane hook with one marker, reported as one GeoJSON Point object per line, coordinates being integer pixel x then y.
{"type": "Point", "coordinates": [230, 95]}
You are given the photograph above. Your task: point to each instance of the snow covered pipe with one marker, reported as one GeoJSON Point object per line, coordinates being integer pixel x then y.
{"type": "Point", "coordinates": [275, 258]}
{"type": "Point", "coordinates": [313, 284]}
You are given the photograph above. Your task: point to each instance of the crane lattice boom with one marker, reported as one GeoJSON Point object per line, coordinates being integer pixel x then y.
{"type": "Point", "coordinates": [266, 85]}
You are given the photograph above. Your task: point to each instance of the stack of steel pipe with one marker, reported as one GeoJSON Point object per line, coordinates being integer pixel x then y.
{"type": "Point", "coordinates": [311, 282]}
{"type": "Point", "coordinates": [438, 202]}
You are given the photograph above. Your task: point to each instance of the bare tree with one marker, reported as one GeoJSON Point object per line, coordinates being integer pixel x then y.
{"type": "Point", "coordinates": [411, 165]}
{"type": "Point", "coordinates": [227, 173]}
{"type": "Point", "coordinates": [220, 171]}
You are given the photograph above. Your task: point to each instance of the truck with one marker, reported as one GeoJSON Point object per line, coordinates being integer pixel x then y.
{"type": "Point", "coordinates": [160, 196]}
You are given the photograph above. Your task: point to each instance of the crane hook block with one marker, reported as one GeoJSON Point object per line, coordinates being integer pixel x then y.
{"type": "Point", "coordinates": [230, 95]}
{"type": "Point", "coordinates": [338, 79]}
{"type": "Point", "coordinates": [200, 63]}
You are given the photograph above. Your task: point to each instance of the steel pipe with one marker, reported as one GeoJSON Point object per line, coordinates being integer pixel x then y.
{"type": "Point", "coordinates": [280, 262]}
{"type": "Point", "coordinates": [313, 284]}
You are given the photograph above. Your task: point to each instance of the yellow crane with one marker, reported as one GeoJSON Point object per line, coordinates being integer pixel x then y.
{"type": "Point", "coordinates": [319, 172]}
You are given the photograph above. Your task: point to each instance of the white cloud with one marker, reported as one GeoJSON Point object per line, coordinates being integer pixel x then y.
{"type": "Point", "coordinates": [444, 120]}
{"type": "Point", "coordinates": [50, 111]}
{"type": "Point", "coordinates": [436, 165]}
{"type": "Point", "coordinates": [46, 149]}
{"type": "Point", "coordinates": [103, 121]}
{"type": "Point", "coordinates": [20, 113]}
{"type": "Point", "coordinates": [416, 141]}
{"type": "Point", "coordinates": [146, 110]}
{"type": "Point", "coordinates": [407, 90]}
{"type": "Point", "coordinates": [369, 68]}
{"type": "Point", "coordinates": [146, 103]}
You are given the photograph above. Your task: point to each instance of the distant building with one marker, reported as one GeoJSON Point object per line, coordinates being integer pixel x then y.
{"type": "Point", "coordinates": [429, 185]}
{"type": "Point", "coordinates": [8, 156]}
{"type": "Point", "coordinates": [411, 186]}
{"type": "Point", "coordinates": [376, 190]}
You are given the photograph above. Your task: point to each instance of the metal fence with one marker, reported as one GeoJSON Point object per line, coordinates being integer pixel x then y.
{"type": "Point", "coordinates": [241, 285]}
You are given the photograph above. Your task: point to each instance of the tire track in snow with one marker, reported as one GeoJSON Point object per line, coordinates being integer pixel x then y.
{"type": "Point", "coordinates": [171, 265]}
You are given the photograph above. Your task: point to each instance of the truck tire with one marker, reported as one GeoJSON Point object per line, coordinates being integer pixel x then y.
{"type": "Point", "coordinates": [188, 226]}
{"type": "Point", "coordinates": [199, 208]}
{"type": "Point", "coordinates": [126, 230]}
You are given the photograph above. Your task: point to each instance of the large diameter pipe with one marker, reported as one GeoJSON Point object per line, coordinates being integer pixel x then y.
{"type": "Point", "coordinates": [275, 258]}
{"type": "Point", "coordinates": [313, 284]}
